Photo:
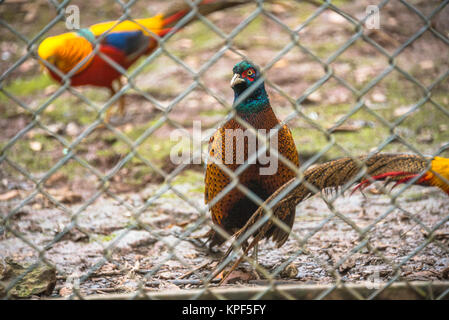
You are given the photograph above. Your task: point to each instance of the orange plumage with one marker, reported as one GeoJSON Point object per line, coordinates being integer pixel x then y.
{"type": "Point", "coordinates": [438, 175]}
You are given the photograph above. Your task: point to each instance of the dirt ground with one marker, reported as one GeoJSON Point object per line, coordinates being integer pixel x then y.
{"type": "Point", "coordinates": [128, 232]}
{"type": "Point", "coordinates": [156, 257]}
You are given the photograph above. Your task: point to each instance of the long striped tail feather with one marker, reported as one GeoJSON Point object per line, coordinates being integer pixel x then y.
{"type": "Point", "coordinates": [399, 168]}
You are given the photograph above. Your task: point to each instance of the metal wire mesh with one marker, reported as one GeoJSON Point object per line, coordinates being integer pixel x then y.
{"type": "Point", "coordinates": [27, 186]}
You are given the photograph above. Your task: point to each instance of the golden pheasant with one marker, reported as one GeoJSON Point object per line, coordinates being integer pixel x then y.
{"type": "Point", "coordinates": [120, 45]}
{"type": "Point", "coordinates": [233, 144]}
{"type": "Point", "coordinates": [401, 168]}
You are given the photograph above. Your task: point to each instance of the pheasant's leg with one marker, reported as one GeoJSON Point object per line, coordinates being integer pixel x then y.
{"type": "Point", "coordinates": [109, 111]}
{"type": "Point", "coordinates": [121, 101]}
{"type": "Point", "coordinates": [121, 106]}
{"type": "Point", "coordinates": [236, 264]}
{"type": "Point", "coordinates": [255, 256]}
{"type": "Point", "coordinates": [108, 115]}
{"type": "Point", "coordinates": [255, 252]}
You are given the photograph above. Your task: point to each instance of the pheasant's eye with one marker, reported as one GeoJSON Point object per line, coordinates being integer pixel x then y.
{"type": "Point", "coordinates": [250, 72]}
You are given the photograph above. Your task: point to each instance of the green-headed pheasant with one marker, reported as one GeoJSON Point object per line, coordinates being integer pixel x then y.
{"type": "Point", "coordinates": [233, 144]}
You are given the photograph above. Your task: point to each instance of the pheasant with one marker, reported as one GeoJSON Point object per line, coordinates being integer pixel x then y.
{"type": "Point", "coordinates": [232, 207]}
{"type": "Point", "coordinates": [402, 168]}
{"type": "Point", "coordinates": [123, 43]}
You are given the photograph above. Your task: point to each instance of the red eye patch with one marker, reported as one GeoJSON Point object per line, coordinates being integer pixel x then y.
{"type": "Point", "coordinates": [249, 74]}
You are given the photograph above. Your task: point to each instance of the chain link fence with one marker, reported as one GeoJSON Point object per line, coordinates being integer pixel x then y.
{"type": "Point", "coordinates": [91, 207]}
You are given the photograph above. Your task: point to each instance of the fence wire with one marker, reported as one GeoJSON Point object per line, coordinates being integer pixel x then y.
{"type": "Point", "coordinates": [50, 222]}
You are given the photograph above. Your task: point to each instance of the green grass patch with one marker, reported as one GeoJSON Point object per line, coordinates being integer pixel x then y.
{"type": "Point", "coordinates": [214, 112]}
{"type": "Point", "coordinates": [68, 109]}
{"type": "Point", "coordinates": [33, 161]}
{"type": "Point", "coordinates": [399, 93]}
{"type": "Point", "coordinates": [22, 87]}
{"type": "Point", "coordinates": [189, 177]}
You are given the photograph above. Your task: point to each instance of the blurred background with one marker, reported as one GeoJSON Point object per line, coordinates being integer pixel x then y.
{"type": "Point", "coordinates": [388, 91]}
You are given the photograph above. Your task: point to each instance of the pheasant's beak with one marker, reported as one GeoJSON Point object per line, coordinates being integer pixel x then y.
{"type": "Point", "coordinates": [236, 80]}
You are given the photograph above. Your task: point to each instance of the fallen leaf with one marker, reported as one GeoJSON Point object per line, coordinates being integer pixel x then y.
{"type": "Point", "coordinates": [36, 146]}
{"type": "Point", "coordinates": [183, 223]}
{"type": "Point", "coordinates": [363, 73]}
{"type": "Point", "coordinates": [351, 126]}
{"type": "Point", "coordinates": [425, 136]}
{"type": "Point", "coordinates": [445, 273]}
{"type": "Point", "coordinates": [426, 64]}
{"type": "Point", "coordinates": [9, 195]}
{"type": "Point", "coordinates": [54, 128]}
{"type": "Point", "coordinates": [378, 97]}
{"type": "Point", "coordinates": [57, 177]}
{"type": "Point", "coordinates": [438, 234]}
{"type": "Point", "coordinates": [422, 275]}
{"type": "Point", "coordinates": [381, 246]}
{"type": "Point", "coordinates": [374, 190]}
{"type": "Point", "coordinates": [239, 275]}
{"type": "Point", "coordinates": [185, 44]}
{"type": "Point", "coordinates": [339, 96]}
{"type": "Point", "coordinates": [65, 196]}
{"type": "Point", "coordinates": [75, 235]}
{"type": "Point", "coordinates": [31, 10]}
{"type": "Point", "coordinates": [72, 129]}
{"type": "Point", "coordinates": [290, 271]}
{"type": "Point", "coordinates": [65, 291]}
{"type": "Point", "coordinates": [402, 110]}
{"type": "Point", "coordinates": [27, 66]}
{"type": "Point", "coordinates": [314, 97]}
{"type": "Point", "coordinates": [278, 8]}
{"type": "Point", "coordinates": [70, 198]}
{"type": "Point", "coordinates": [349, 263]}
{"type": "Point", "coordinates": [281, 64]}
{"type": "Point", "coordinates": [336, 18]}
{"type": "Point", "coordinates": [220, 276]}
{"type": "Point", "coordinates": [49, 91]}
{"type": "Point", "coordinates": [382, 38]}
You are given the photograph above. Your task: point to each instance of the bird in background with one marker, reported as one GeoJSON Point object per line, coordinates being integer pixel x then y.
{"type": "Point", "coordinates": [123, 43]}
{"type": "Point", "coordinates": [399, 168]}
{"type": "Point", "coordinates": [231, 209]}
